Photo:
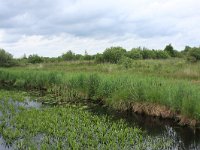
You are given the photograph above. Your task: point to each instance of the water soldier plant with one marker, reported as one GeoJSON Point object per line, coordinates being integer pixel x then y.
{"type": "Point", "coordinates": [68, 127]}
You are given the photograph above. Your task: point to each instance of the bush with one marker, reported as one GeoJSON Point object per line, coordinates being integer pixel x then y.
{"type": "Point", "coordinates": [113, 54]}
{"type": "Point", "coordinates": [35, 59]}
{"type": "Point", "coordinates": [170, 50]}
{"type": "Point", "coordinates": [161, 54]}
{"type": "Point", "coordinates": [194, 54]}
{"type": "Point", "coordinates": [148, 54]}
{"type": "Point", "coordinates": [87, 56]}
{"type": "Point", "coordinates": [99, 58]}
{"type": "Point", "coordinates": [135, 53]}
{"type": "Point", "coordinates": [126, 62]}
{"type": "Point", "coordinates": [68, 56]}
{"type": "Point", "coordinates": [6, 59]}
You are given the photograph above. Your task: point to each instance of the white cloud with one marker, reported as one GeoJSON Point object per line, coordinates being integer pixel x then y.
{"type": "Point", "coordinates": [1, 35]}
{"type": "Point", "coordinates": [50, 28]}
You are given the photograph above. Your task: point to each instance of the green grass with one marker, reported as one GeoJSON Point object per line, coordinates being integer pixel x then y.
{"type": "Point", "coordinates": [116, 89]}
{"type": "Point", "coordinates": [170, 68]}
{"type": "Point", "coordinates": [120, 91]}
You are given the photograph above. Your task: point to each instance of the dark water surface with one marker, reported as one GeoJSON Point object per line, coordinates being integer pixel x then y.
{"type": "Point", "coordinates": [184, 138]}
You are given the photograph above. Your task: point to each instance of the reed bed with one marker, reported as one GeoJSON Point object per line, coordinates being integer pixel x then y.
{"type": "Point", "coordinates": [115, 90]}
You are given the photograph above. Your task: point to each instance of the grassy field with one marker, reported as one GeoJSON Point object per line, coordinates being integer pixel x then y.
{"type": "Point", "coordinates": [170, 68]}
{"type": "Point", "coordinates": [173, 83]}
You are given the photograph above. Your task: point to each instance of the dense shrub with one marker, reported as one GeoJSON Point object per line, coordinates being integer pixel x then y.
{"type": "Point", "coordinates": [135, 53]}
{"type": "Point", "coordinates": [6, 59]}
{"type": "Point", "coordinates": [170, 50]}
{"type": "Point", "coordinates": [161, 54]}
{"type": "Point", "coordinates": [99, 58]}
{"type": "Point", "coordinates": [113, 54]}
{"type": "Point", "coordinates": [194, 54]}
{"type": "Point", "coordinates": [148, 54]}
{"type": "Point", "coordinates": [71, 56]}
{"type": "Point", "coordinates": [68, 56]}
{"type": "Point", "coordinates": [87, 56]}
{"type": "Point", "coordinates": [35, 59]}
{"type": "Point", "coordinates": [126, 62]}
{"type": "Point", "coordinates": [186, 50]}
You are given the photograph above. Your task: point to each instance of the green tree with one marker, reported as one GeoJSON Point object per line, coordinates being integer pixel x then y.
{"type": "Point", "coordinates": [187, 48]}
{"type": "Point", "coordinates": [126, 62]}
{"type": "Point", "coordinates": [69, 56]}
{"type": "Point", "coordinates": [148, 54]}
{"type": "Point", "coordinates": [170, 50]}
{"type": "Point", "coordinates": [193, 54]}
{"type": "Point", "coordinates": [6, 59]}
{"type": "Point", "coordinates": [99, 58]}
{"type": "Point", "coordinates": [113, 54]}
{"type": "Point", "coordinates": [87, 56]}
{"type": "Point", "coordinates": [78, 56]}
{"type": "Point", "coordinates": [161, 54]}
{"type": "Point", "coordinates": [35, 59]}
{"type": "Point", "coordinates": [135, 53]}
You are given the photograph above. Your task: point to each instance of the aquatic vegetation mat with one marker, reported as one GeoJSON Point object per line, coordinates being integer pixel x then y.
{"type": "Point", "coordinates": [69, 127]}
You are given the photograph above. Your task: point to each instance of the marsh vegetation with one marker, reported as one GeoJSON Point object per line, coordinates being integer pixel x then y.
{"type": "Point", "coordinates": [162, 84]}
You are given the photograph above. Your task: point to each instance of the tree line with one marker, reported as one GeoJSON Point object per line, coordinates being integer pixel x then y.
{"type": "Point", "coordinates": [110, 55]}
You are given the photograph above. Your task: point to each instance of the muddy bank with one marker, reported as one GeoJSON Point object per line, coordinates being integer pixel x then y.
{"type": "Point", "coordinates": [163, 112]}
{"type": "Point", "coordinates": [144, 108]}
{"type": "Point", "coordinates": [148, 109]}
{"type": "Point", "coordinates": [154, 126]}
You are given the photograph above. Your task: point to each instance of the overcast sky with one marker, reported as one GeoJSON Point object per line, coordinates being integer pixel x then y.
{"type": "Point", "coordinates": [52, 27]}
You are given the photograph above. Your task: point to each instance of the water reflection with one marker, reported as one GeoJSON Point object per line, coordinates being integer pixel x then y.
{"type": "Point", "coordinates": [28, 103]}
{"type": "Point", "coordinates": [3, 145]}
{"type": "Point", "coordinates": [184, 138]}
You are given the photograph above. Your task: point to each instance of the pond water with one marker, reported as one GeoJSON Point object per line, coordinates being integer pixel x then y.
{"type": "Point", "coordinates": [184, 138]}
{"type": "Point", "coordinates": [28, 103]}
{"type": "Point", "coordinates": [2, 146]}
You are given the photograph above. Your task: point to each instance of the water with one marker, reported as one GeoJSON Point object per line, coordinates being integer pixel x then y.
{"type": "Point", "coordinates": [2, 143]}
{"type": "Point", "coordinates": [28, 103]}
{"type": "Point", "coordinates": [2, 146]}
{"type": "Point", "coordinates": [184, 138]}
